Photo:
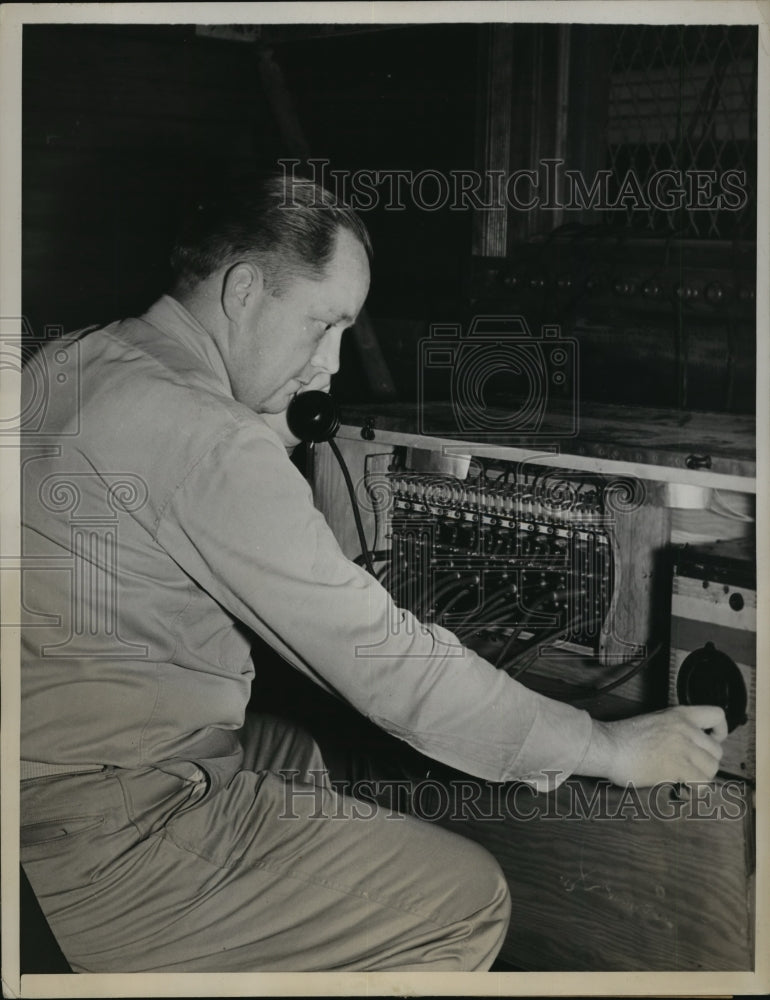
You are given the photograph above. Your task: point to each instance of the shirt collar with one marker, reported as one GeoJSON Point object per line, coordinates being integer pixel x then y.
{"type": "Point", "coordinates": [170, 317]}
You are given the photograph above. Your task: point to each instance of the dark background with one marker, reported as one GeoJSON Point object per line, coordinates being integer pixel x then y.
{"type": "Point", "coordinates": [124, 124]}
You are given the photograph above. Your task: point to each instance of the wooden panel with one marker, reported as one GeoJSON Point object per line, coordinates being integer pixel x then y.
{"type": "Point", "coordinates": [637, 436]}
{"type": "Point", "coordinates": [629, 880]}
{"type": "Point", "coordinates": [619, 891]}
{"type": "Point", "coordinates": [639, 616]}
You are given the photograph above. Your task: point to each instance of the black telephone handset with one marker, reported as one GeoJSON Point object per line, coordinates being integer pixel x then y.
{"type": "Point", "coordinates": [313, 416]}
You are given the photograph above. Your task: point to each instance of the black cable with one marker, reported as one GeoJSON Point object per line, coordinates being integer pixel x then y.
{"type": "Point", "coordinates": [591, 693]}
{"type": "Point", "coordinates": [378, 555]}
{"type": "Point", "coordinates": [536, 640]}
{"type": "Point", "coordinates": [471, 626]}
{"type": "Point", "coordinates": [550, 595]}
{"type": "Point", "coordinates": [398, 569]}
{"type": "Point", "coordinates": [446, 588]}
{"type": "Point", "coordinates": [354, 503]}
{"type": "Point", "coordinates": [395, 582]}
{"type": "Point", "coordinates": [575, 693]}
{"type": "Point", "coordinates": [401, 582]}
{"type": "Point", "coordinates": [387, 575]}
{"type": "Point", "coordinates": [500, 597]}
{"type": "Point", "coordinates": [457, 597]}
{"type": "Point", "coordinates": [539, 472]}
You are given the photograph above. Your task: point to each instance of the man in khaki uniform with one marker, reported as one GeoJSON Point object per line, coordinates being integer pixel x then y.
{"type": "Point", "coordinates": [164, 827]}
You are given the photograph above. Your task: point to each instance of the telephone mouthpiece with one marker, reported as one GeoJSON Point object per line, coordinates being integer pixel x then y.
{"type": "Point", "coordinates": [313, 416]}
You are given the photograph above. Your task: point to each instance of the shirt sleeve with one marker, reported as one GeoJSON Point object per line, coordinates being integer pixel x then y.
{"type": "Point", "coordinates": [243, 525]}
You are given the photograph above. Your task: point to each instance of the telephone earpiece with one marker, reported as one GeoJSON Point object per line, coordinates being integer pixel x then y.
{"type": "Point", "coordinates": [313, 416]}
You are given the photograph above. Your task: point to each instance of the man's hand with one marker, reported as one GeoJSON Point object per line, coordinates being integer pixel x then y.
{"type": "Point", "coordinates": [677, 744]}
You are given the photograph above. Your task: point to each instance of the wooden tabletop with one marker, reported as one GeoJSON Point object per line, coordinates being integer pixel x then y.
{"type": "Point", "coordinates": [701, 446]}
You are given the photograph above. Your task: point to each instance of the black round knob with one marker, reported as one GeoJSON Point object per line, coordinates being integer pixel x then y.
{"type": "Point", "coordinates": [710, 677]}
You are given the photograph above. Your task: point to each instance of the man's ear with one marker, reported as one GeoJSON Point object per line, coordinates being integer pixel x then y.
{"type": "Point", "coordinates": [242, 287]}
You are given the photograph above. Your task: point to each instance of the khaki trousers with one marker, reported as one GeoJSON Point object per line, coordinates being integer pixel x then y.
{"type": "Point", "coordinates": [265, 867]}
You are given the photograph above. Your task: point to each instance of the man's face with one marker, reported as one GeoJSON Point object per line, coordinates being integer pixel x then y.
{"type": "Point", "coordinates": [289, 341]}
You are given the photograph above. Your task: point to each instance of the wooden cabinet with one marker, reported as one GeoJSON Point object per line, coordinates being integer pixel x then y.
{"type": "Point", "coordinates": [602, 878]}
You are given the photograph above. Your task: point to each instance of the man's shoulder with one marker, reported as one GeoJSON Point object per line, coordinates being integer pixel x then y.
{"type": "Point", "coordinates": [133, 349]}
{"type": "Point", "coordinates": [127, 387]}
{"type": "Point", "coordinates": [148, 410]}
{"type": "Point", "coordinates": [131, 374]}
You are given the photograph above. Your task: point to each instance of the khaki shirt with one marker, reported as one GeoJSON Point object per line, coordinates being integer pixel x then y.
{"type": "Point", "coordinates": [160, 518]}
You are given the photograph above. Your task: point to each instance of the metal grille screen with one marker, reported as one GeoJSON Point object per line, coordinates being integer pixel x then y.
{"type": "Point", "coordinates": [684, 98]}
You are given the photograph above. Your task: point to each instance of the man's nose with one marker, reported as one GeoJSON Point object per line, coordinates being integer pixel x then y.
{"type": "Point", "coordinates": [327, 355]}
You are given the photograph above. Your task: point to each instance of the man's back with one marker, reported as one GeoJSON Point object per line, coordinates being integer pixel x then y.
{"type": "Point", "coordinates": [109, 682]}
